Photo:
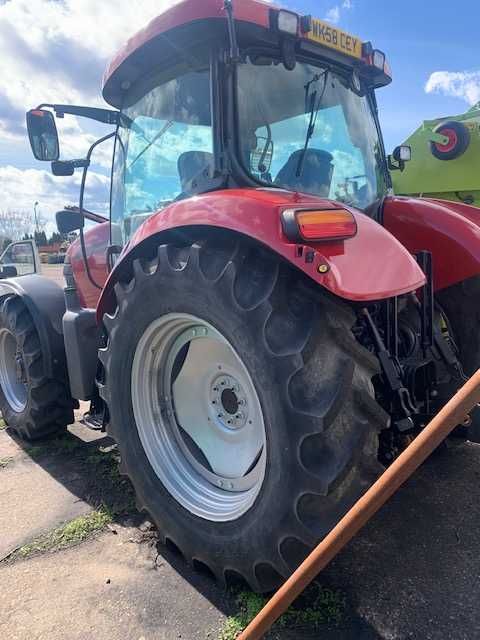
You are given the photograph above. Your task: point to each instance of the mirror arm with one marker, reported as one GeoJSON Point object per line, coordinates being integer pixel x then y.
{"type": "Point", "coordinates": [395, 167]}
{"type": "Point", "coordinates": [107, 116]}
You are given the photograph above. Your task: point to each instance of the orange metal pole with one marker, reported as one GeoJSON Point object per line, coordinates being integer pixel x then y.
{"type": "Point", "coordinates": [452, 414]}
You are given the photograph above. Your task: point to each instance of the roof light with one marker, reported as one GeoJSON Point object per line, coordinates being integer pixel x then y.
{"type": "Point", "coordinates": [287, 22]}
{"type": "Point", "coordinates": [318, 224]}
{"type": "Point", "coordinates": [378, 59]}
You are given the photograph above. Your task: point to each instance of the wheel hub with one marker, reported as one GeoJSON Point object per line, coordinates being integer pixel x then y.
{"type": "Point", "coordinates": [229, 402]}
{"type": "Point", "coordinates": [198, 417]}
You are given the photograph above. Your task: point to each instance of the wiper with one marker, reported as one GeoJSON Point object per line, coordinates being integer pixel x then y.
{"type": "Point", "coordinates": [314, 108]}
{"type": "Point", "coordinates": [155, 139]}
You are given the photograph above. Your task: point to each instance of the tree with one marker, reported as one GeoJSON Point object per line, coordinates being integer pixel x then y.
{"type": "Point", "coordinates": [55, 238]}
{"type": "Point", "coordinates": [41, 238]}
{"type": "Point", "coordinates": [13, 223]}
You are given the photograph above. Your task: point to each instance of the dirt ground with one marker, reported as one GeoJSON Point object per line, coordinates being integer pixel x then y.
{"type": "Point", "coordinates": [54, 272]}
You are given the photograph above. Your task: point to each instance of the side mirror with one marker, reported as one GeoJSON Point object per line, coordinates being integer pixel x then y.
{"type": "Point", "coordinates": [42, 133]}
{"type": "Point", "coordinates": [400, 155]}
{"type": "Point", "coordinates": [403, 153]}
{"type": "Point", "coordinates": [68, 221]}
{"type": "Point", "coordinates": [8, 271]}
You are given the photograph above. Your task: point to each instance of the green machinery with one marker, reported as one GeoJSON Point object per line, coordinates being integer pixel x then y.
{"type": "Point", "coordinates": [445, 160]}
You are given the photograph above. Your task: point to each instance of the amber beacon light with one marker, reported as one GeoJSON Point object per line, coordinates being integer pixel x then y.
{"type": "Point", "coordinates": [318, 224]}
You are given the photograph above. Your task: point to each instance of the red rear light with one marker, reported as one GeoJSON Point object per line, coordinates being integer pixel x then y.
{"type": "Point", "coordinates": [316, 225]}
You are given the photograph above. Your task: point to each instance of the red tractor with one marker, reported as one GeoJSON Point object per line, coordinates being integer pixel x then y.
{"type": "Point", "coordinates": [261, 325]}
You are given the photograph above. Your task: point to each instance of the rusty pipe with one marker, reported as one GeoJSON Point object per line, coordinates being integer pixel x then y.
{"type": "Point", "coordinates": [452, 414]}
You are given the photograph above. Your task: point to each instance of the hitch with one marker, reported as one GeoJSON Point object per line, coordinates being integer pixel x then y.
{"type": "Point", "coordinates": [392, 373]}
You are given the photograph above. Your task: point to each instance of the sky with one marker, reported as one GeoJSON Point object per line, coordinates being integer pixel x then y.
{"type": "Point", "coordinates": [57, 50]}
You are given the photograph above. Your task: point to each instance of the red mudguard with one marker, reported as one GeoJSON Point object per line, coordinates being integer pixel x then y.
{"type": "Point", "coordinates": [371, 266]}
{"type": "Point", "coordinates": [449, 230]}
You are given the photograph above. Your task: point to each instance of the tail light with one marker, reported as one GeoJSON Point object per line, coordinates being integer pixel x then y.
{"type": "Point", "coordinates": [316, 225]}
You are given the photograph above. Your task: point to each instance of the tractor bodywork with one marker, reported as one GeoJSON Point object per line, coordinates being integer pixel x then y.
{"type": "Point", "coordinates": [248, 169]}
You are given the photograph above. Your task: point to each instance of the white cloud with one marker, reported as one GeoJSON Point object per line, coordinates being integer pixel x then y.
{"type": "Point", "coordinates": [459, 84]}
{"type": "Point", "coordinates": [21, 188]}
{"type": "Point", "coordinates": [57, 51]}
{"type": "Point", "coordinates": [333, 15]}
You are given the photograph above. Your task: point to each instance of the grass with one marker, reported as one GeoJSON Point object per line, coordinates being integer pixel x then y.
{"type": "Point", "coordinates": [325, 606]}
{"type": "Point", "coordinates": [3, 424]}
{"type": "Point", "coordinates": [4, 462]}
{"type": "Point", "coordinates": [69, 534]}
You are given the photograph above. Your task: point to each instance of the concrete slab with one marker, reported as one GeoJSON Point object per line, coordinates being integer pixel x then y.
{"type": "Point", "coordinates": [110, 588]}
{"type": "Point", "coordinates": [34, 499]}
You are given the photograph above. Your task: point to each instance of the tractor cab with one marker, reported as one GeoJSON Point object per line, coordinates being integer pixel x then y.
{"type": "Point", "coordinates": [240, 95]}
{"type": "Point", "coordinates": [278, 102]}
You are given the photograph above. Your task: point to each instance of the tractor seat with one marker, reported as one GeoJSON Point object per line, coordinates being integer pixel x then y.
{"type": "Point", "coordinates": [316, 175]}
{"type": "Point", "coordinates": [194, 167]}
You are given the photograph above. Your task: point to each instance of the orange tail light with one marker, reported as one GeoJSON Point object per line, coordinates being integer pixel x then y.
{"type": "Point", "coordinates": [318, 224]}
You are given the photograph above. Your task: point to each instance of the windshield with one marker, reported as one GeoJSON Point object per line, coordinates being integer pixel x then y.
{"type": "Point", "coordinates": [164, 149]}
{"type": "Point", "coordinates": [308, 130]}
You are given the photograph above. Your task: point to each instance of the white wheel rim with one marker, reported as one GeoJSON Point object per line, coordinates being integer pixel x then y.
{"type": "Point", "coordinates": [12, 372]}
{"type": "Point", "coordinates": [198, 417]}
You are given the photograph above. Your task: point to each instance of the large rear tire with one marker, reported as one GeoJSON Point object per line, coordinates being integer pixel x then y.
{"type": "Point", "coordinates": [33, 405]}
{"type": "Point", "coordinates": [461, 304]}
{"type": "Point", "coordinates": [289, 354]}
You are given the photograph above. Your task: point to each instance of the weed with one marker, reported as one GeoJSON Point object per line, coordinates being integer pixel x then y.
{"type": "Point", "coordinates": [69, 534]}
{"type": "Point", "coordinates": [3, 424]}
{"type": "Point", "coordinates": [325, 606]}
{"type": "Point", "coordinates": [4, 462]}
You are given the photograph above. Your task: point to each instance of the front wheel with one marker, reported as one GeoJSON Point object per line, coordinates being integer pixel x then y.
{"type": "Point", "coordinates": [32, 404]}
{"type": "Point", "coordinates": [242, 406]}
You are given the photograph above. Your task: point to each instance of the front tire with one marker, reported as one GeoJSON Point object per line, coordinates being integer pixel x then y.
{"type": "Point", "coordinates": [317, 421]}
{"type": "Point", "coordinates": [32, 405]}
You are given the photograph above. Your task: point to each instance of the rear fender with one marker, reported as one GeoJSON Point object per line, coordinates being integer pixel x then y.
{"type": "Point", "coordinates": [45, 301]}
{"type": "Point", "coordinates": [371, 266]}
{"type": "Point", "coordinates": [449, 230]}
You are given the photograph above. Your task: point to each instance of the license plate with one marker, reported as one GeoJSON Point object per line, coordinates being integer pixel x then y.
{"type": "Point", "coordinates": [334, 38]}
